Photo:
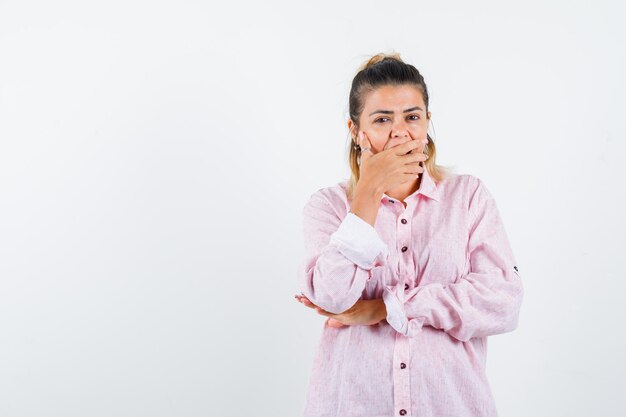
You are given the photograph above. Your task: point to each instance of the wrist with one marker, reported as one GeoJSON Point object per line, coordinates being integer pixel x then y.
{"type": "Point", "coordinates": [367, 190]}
{"type": "Point", "coordinates": [382, 310]}
{"type": "Point", "coordinates": [365, 203]}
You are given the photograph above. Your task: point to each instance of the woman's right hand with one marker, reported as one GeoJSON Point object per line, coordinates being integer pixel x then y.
{"type": "Point", "coordinates": [391, 167]}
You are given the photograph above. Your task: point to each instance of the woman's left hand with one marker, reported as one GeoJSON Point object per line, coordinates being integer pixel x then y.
{"type": "Point", "coordinates": [364, 312]}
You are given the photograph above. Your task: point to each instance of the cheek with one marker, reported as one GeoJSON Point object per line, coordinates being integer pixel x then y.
{"type": "Point", "coordinates": [419, 132]}
{"type": "Point", "coordinates": [420, 127]}
{"type": "Point", "coordinates": [378, 142]}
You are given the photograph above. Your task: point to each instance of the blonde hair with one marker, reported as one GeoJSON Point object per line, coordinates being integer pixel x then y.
{"type": "Point", "coordinates": [381, 70]}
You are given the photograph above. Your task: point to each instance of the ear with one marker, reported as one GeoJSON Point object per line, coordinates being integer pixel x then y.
{"type": "Point", "coordinates": [428, 115]}
{"type": "Point", "coordinates": [352, 129]}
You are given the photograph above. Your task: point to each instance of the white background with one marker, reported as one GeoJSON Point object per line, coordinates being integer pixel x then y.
{"type": "Point", "coordinates": [155, 158]}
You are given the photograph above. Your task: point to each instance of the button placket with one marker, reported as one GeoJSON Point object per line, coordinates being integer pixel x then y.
{"type": "Point", "coordinates": [402, 349]}
{"type": "Point", "coordinates": [404, 235]}
{"type": "Point", "coordinates": [401, 375]}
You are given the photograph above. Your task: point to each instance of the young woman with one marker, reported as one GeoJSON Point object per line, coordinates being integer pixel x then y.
{"type": "Point", "coordinates": [410, 263]}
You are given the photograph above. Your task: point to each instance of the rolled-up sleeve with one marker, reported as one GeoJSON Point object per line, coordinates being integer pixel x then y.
{"type": "Point", "coordinates": [339, 255]}
{"type": "Point", "coordinates": [484, 302]}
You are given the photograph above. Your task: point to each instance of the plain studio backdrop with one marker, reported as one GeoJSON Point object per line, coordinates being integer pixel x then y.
{"type": "Point", "coordinates": [155, 158]}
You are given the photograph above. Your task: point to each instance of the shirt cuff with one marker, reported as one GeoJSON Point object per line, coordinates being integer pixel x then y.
{"type": "Point", "coordinates": [396, 317]}
{"type": "Point", "coordinates": [358, 241]}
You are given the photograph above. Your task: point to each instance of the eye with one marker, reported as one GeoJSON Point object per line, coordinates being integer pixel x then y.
{"type": "Point", "coordinates": [380, 119]}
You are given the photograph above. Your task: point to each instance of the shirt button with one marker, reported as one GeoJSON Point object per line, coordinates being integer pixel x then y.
{"type": "Point", "coordinates": [403, 221]}
{"type": "Point", "coordinates": [406, 286]}
{"type": "Point", "coordinates": [402, 412]}
{"type": "Point", "coordinates": [404, 248]}
{"type": "Point", "coordinates": [402, 365]}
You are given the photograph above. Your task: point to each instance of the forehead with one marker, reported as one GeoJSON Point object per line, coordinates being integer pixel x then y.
{"type": "Point", "coordinates": [394, 97]}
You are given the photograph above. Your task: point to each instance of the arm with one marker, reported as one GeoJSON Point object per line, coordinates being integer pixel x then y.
{"type": "Point", "coordinates": [339, 255]}
{"type": "Point", "coordinates": [484, 302]}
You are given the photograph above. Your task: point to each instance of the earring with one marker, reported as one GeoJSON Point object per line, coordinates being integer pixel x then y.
{"type": "Point", "coordinates": [355, 145]}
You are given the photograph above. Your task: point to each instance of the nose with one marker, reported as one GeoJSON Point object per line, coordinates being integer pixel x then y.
{"type": "Point", "coordinates": [399, 130]}
{"type": "Point", "coordinates": [400, 134]}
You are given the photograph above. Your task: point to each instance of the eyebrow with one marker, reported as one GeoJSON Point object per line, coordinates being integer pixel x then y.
{"type": "Point", "coordinates": [390, 112]}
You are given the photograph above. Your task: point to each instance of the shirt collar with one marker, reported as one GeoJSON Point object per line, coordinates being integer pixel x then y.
{"type": "Point", "coordinates": [428, 187]}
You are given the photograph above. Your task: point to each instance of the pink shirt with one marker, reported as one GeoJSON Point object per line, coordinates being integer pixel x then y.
{"type": "Point", "coordinates": [446, 272]}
